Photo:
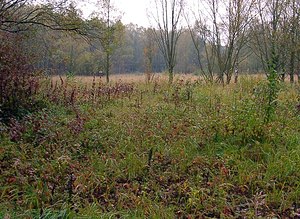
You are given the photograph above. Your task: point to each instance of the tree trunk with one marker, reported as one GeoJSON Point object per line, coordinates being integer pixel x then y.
{"type": "Point", "coordinates": [292, 80]}
{"type": "Point", "coordinates": [236, 75]}
{"type": "Point", "coordinates": [171, 75]}
{"type": "Point", "coordinates": [228, 76]}
{"type": "Point", "coordinates": [107, 67]}
{"type": "Point", "coordinates": [292, 67]}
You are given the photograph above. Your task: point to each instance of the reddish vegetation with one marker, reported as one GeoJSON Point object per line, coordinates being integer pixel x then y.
{"type": "Point", "coordinates": [18, 81]}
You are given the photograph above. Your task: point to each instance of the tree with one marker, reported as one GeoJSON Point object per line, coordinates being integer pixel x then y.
{"type": "Point", "coordinates": [168, 16]}
{"type": "Point", "coordinates": [134, 45]}
{"type": "Point", "coordinates": [149, 50]}
{"type": "Point", "coordinates": [203, 40]}
{"type": "Point", "coordinates": [106, 27]}
{"type": "Point", "coordinates": [219, 36]}
{"type": "Point", "coordinates": [269, 37]}
{"type": "Point", "coordinates": [271, 46]}
{"type": "Point", "coordinates": [292, 30]}
{"type": "Point", "coordinates": [188, 61]}
{"type": "Point", "coordinates": [21, 15]}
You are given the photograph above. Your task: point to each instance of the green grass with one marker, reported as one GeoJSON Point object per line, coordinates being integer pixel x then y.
{"type": "Point", "coordinates": [186, 150]}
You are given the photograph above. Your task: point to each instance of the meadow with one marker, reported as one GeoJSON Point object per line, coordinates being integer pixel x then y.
{"type": "Point", "coordinates": [132, 149]}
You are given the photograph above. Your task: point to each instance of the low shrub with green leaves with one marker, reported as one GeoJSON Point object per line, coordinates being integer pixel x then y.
{"type": "Point", "coordinates": [189, 150]}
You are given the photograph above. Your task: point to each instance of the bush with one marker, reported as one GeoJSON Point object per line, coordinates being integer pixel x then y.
{"type": "Point", "coordinates": [18, 81]}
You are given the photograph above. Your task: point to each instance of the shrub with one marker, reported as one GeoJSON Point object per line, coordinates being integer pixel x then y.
{"type": "Point", "coordinates": [18, 81]}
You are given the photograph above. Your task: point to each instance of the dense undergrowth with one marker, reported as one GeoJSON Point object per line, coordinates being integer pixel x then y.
{"type": "Point", "coordinates": [188, 150]}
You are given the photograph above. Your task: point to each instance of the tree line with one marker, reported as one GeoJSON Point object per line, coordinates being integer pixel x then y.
{"type": "Point", "coordinates": [217, 39]}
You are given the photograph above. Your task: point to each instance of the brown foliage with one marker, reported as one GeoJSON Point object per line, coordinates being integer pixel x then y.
{"type": "Point", "coordinates": [18, 82]}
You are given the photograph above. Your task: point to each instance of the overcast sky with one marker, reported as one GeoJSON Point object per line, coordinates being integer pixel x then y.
{"type": "Point", "coordinates": [134, 11]}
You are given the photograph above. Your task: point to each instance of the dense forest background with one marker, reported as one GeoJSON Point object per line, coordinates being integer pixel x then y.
{"type": "Point", "coordinates": [80, 51]}
{"type": "Point", "coordinates": [61, 53]}
{"type": "Point", "coordinates": [218, 40]}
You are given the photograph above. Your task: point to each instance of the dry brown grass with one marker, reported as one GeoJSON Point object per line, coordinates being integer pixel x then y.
{"type": "Point", "coordinates": [157, 77]}
{"type": "Point", "coordinates": [131, 78]}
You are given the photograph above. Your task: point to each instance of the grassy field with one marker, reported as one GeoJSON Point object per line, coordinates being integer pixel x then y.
{"type": "Point", "coordinates": [132, 78]}
{"type": "Point", "coordinates": [137, 150]}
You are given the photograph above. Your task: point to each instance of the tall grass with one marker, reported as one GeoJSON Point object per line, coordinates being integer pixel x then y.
{"type": "Point", "coordinates": [154, 151]}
